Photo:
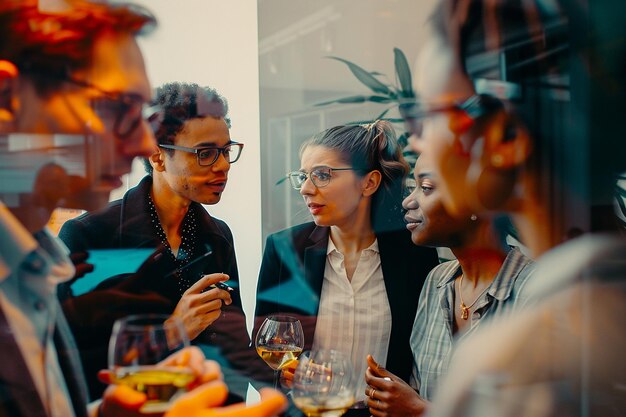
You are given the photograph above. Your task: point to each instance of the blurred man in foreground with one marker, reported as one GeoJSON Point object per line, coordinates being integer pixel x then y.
{"type": "Point", "coordinates": [72, 89]}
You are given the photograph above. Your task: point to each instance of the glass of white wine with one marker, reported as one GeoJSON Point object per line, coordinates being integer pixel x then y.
{"type": "Point", "coordinates": [137, 347]}
{"type": "Point", "coordinates": [323, 384]}
{"type": "Point", "coordinates": [279, 342]}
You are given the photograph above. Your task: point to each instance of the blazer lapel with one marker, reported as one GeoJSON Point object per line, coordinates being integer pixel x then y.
{"type": "Point", "coordinates": [68, 354]}
{"type": "Point", "coordinates": [394, 273]}
{"type": "Point", "coordinates": [18, 395]}
{"type": "Point", "coordinates": [315, 258]}
{"type": "Point", "coordinates": [135, 227]}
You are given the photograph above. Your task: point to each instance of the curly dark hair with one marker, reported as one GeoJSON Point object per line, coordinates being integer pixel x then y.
{"type": "Point", "coordinates": [178, 102]}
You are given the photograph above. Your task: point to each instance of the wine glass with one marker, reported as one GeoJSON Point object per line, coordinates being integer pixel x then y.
{"type": "Point", "coordinates": [280, 341]}
{"type": "Point", "coordinates": [138, 344]}
{"type": "Point", "coordinates": [323, 384]}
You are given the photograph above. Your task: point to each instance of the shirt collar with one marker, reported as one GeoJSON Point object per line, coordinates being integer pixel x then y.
{"type": "Point", "coordinates": [504, 281]}
{"type": "Point", "coordinates": [18, 246]}
{"type": "Point", "coordinates": [332, 248]}
{"type": "Point", "coordinates": [16, 242]}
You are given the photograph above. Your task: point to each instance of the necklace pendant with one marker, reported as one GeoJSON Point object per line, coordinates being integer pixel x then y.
{"type": "Point", "coordinates": [464, 311]}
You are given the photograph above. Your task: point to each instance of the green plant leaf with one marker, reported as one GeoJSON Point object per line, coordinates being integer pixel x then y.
{"type": "Point", "coordinates": [357, 99]}
{"type": "Point", "coordinates": [380, 116]}
{"type": "Point", "coordinates": [365, 77]}
{"type": "Point", "coordinates": [379, 99]}
{"type": "Point", "coordinates": [351, 99]}
{"type": "Point", "coordinates": [404, 73]}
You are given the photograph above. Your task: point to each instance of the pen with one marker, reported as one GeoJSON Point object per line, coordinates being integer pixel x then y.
{"type": "Point", "coordinates": [222, 286]}
{"type": "Point", "coordinates": [177, 271]}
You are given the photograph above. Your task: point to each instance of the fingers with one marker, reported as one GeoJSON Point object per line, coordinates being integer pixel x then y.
{"type": "Point", "coordinates": [105, 376]}
{"type": "Point", "coordinates": [214, 294]}
{"type": "Point", "coordinates": [78, 257]}
{"type": "Point", "coordinates": [198, 401]}
{"type": "Point", "coordinates": [211, 371]}
{"type": "Point", "coordinates": [376, 369]}
{"type": "Point", "coordinates": [272, 404]}
{"type": "Point", "coordinates": [376, 405]}
{"type": "Point", "coordinates": [207, 307]}
{"type": "Point", "coordinates": [82, 269]}
{"type": "Point", "coordinates": [190, 357]}
{"type": "Point", "coordinates": [119, 400]}
{"type": "Point", "coordinates": [374, 411]}
{"type": "Point", "coordinates": [205, 282]}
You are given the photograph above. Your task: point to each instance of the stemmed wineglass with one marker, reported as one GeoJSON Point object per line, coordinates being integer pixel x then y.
{"type": "Point", "coordinates": [323, 384]}
{"type": "Point", "coordinates": [139, 344]}
{"type": "Point", "coordinates": [279, 342]}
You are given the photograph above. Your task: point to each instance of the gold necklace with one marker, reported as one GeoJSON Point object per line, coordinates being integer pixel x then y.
{"type": "Point", "coordinates": [465, 310]}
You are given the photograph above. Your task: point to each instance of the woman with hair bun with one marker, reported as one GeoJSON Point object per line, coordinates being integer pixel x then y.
{"type": "Point", "coordinates": [353, 274]}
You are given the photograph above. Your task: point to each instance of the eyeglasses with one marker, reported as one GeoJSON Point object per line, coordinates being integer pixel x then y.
{"type": "Point", "coordinates": [208, 156]}
{"type": "Point", "coordinates": [319, 176]}
{"type": "Point", "coordinates": [414, 112]}
{"type": "Point", "coordinates": [127, 109]}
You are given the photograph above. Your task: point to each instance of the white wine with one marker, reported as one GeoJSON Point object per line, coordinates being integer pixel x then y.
{"type": "Point", "coordinates": [329, 407]}
{"type": "Point", "coordinates": [278, 356]}
{"type": "Point", "coordinates": [159, 384]}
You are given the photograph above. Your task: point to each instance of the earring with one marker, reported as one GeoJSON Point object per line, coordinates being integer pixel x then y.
{"type": "Point", "coordinates": [473, 217]}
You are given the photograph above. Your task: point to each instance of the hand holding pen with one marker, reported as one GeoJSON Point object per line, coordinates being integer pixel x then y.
{"type": "Point", "coordinates": [202, 303]}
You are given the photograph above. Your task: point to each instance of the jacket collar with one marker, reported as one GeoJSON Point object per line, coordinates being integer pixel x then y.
{"type": "Point", "coordinates": [136, 229]}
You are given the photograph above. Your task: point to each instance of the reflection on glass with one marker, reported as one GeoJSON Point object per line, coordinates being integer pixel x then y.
{"type": "Point", "coordinates": [138, 344]}
{"type": "Point", "coordinates": [279, 342]}
{"type": "Point", "coordinates": [323, 384]}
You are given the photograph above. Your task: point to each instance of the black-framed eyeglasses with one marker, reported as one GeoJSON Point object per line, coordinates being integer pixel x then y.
{"type": "Point", "coordinates": [127, 109]}
{"type": "Point", "coordinates": [319, 176]}
{"type": "Point", "coordinates": [208, 156]}
{"type": "Point", "coordinates": [414, 112]}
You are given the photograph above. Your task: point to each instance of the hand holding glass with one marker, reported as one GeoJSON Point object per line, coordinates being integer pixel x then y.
{"type": "Point", "coordinates": [323, 384]}
{"type": "Point", "coordinates": [138, 344]}
{"type": "Point", "coordinates": [280, 340]}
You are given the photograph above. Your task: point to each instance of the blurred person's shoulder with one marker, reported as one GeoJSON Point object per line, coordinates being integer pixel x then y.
{"type": "Point", "coordinates": [589, 258]}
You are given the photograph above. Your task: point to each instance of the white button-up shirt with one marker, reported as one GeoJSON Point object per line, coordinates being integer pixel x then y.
{"type": "Point", "coordinates": [354, 316]}
{"type": "Point", "coordinates": [29, 274]}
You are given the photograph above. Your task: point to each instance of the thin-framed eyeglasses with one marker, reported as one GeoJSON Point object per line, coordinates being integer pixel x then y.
{"type": "Point", "coordinates": [208, 156]}
{"type": "Point", "coordinates": [319, 176]}
{"type": "Point", "coordinates": [414, 112]}
{"type": "Point", "coordinates": [127, 109]}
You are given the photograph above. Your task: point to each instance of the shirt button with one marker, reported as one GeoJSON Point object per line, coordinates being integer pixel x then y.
{"type": "Point", "coordinates": [39, 305]}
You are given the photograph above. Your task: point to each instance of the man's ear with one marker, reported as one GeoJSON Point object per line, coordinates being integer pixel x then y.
{"type": "Point", "coordinates": [8, 91]}
{"type": "Point", "coordinates": [501, 149]}
{"type": "Point", "coordinates": [506, 142]}
{"type": "Point", "coordinates": [157, 161]}
{"type": "Point", "coordinates": [371, 182]}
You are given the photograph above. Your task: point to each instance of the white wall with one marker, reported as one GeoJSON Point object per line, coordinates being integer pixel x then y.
{"type": "Point", "coordinates": [215, 43]}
